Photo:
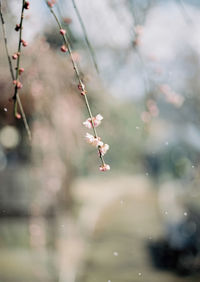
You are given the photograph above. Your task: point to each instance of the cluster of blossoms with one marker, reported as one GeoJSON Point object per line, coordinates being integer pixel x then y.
{"type": "Point", "coordinates": [96, 121]}
{"type": "Point", "coordinates": [171, 96]}
{"type": "Point", "coordinates": [96, 141]}
{"type": "Point", "coordinates": [91, 122]}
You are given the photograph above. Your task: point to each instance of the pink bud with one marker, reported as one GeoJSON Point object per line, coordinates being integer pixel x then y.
{"type": "Point", "coordinates": [19, 85]}
{"type": "Point", "coordinates": [26, 5]}
{"type": "Point", "coordinates": [62, 31]}
{"type": "Point", "coordinates": [81, 87]}
{"type": "Point", "coordinates": [83, 93]}
{"type": "Point", "coordinates": [17, 115]}
{"type": "Point", "coordinates": [24, 43]}
{"type": "Point", "coordinates": [50, 4]}
{"type": "Point", "coordinates": [104, 167]}
{"type": "Point", "coordinates": [63, 48]}
{"type": "Point", "coordinates": [21, 70]}
{"type": "Point", "coordinates": [14, 56]}
{"type": "Point", "coordinates": [17, 27]}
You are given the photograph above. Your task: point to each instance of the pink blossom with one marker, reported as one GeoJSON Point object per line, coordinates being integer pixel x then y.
{"type": "Point", "coordinates": [95, 141]}
{"type": "Point", "coordinates": [96, 121]}
{"type": "Point", "coordinates": [104, 148]}
{"type": "Point", "coordinates": [104, 167]}
{"type": "Point", "coordinates": [87, 123]}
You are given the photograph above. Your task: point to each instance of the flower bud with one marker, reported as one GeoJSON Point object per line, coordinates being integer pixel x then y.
{"type": "Point", "coordinates": [62, 31]}
{"type": "Point", "coordinates": [14, 56]}
{"type": "Point", "coordinates": [63, 48]}
{"type": "Point", "coordinates": [17, 115]}
{"type": "Point", "coordinates": [24, 43]}
{"type": "Point", "coordinates": [83, 93]}
{"type": "Point", "coordinates": [26, 5]}
{"type": "Point", "coordinates": [17, 27]}
{"type": "Point", "coordinates": [50, 4]}
{"type": "Point", "coordinates": [17, 83]}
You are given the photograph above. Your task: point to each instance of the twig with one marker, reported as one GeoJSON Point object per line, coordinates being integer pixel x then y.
{"type": "Point", "coordinates": [184, 13]}
{"type": "Point", "coordinates": [6, 43]}
{"type": "Point", "coordinates": [19, 56]}
{"type": "Point", "coordinates": [91, 50]}
{"type": "Point", "coordinates": [16, 96]}
{"type": "Point", "coordinates": [82, 86]}
{"type": "Point", "coordinates": [61, 16]}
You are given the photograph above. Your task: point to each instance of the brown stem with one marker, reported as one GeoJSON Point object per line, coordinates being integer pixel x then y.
{"type": "Point", "coordinates": [91, 50]}
{"type": "Point", "coordinates": [66, 41]}
{"type": "Point", "coordinates": [16, 96]}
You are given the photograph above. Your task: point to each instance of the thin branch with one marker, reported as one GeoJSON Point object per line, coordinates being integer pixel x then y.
{"type": "Point", "coordinates": [91, 50]}
{"type": "Point", "coordinates": [19, 53]}
{"type": "Point", "coordinates": [24, 118]}
{"type": "Point", "coordinates": [66, 41]}
{"type": "Point", "coordinates": [6, 43]}
{"type": "Point", "coordinates": [184, 13]}
{"type": "Point", "coordinates": [17, 98]}
{"type": "Point", "coordinates": [61, 16]}
{"type": "Point", "coordinates": [16, 94]}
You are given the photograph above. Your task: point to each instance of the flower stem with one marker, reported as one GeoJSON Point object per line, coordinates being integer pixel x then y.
{"type": "Point", "coordinates": [6, 43]}
{"type": "Point", "coordinates": [76, 70]}
{"type": "Point", "coordinates": [16, 96]}
{"type": "Point", "coordinates": [91, 50]}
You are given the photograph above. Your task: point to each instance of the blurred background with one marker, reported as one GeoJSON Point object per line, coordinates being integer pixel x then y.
{"type": "Point", "coordinates": [61, 220]}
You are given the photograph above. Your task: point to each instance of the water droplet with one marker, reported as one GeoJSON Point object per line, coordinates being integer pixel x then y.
{"type": "Point", "coordinates": [115, 254]}
{"type": "Point", "coordinates": [185, 213]}
{"type": "Point", "coordinates": [5, 109]}
{"type": "Point", "coordinates": [139, 273]}
{"type": "Point", "coordinates": [137, 127]}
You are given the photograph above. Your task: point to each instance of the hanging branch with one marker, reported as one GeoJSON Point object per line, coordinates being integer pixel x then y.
{"type": "Point", "coordinates": [16, 97]}
{"type": "Point", "coordinates": [91, 50]}
{"type": "Point", "coordinates": [184, 13]}
{"type": "Point", "coordinates": [91, 122]}
{"type": "Point", "coordinates": [6, 43]}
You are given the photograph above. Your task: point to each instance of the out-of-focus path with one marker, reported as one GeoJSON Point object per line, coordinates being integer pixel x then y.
{"type": "Point", "coordinates": [120, 216]}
